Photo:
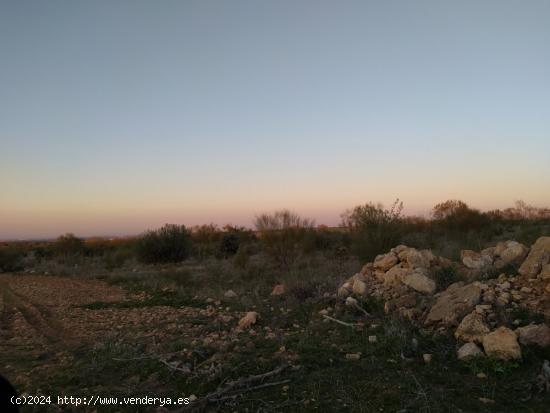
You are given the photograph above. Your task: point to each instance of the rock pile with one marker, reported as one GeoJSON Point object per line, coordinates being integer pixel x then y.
{"type": "Point", "coordinates": [479, 312]}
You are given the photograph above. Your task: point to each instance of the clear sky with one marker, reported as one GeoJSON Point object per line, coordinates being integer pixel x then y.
{"type": "Point", "coordinates": [118, 116]}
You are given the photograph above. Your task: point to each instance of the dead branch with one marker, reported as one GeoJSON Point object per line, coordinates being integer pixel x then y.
{"type": "Point", "coordinates": [338, 321]}
{"type": "Point", "coordinates": [237, 387]}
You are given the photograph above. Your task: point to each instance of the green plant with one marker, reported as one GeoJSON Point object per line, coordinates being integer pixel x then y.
{"type": "Point", "coordinates": [171, 243]}
{"type": "Point", "coordinates": [490, 365]}
{"type": "Point", "coordinates": [374, 229]}
{"type": "Point", "coordinates": [445, 277]}
{"type": "Point", "coordinates": [10, 259]}
{"type": "Point", "coordinates": [68, 245]}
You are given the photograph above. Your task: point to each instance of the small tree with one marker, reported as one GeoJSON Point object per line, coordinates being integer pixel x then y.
{"type": "Point", "coordinates": [206, 240]}
{"type": "Point", "coordinates": [373, 228]}
{"type": "Point", "coordinates": [171, 243]}
{"type": "Point", "coordinates": [282, 235]}
{"type": "Point", "coordinates": [456, 215]}
{"type": "Point", "coordinates": [68, 245]}
{"type": "Point", "coordinates": [10, 258]}
{"type": "Point", "coordinates": [233, 238]}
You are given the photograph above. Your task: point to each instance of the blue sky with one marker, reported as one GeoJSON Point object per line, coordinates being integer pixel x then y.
{"type": "Point", "coordinates": [120, 116]}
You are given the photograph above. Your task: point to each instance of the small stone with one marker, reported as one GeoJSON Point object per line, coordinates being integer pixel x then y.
{"type": "Point", "coordinates": [505, 285]}
{"type": "Point", "coordinates": [353, 356]}
{"type": "Point", "coordinates": [472, 328]}
{"type": "Point", "coordinates": [323, 312]}
{"type": "Point", "coordinates": [249, 319]}
{"type": "Point", "coordinates": [526, 290]}
{"type": "Point", "coordinates": [485, 400]}
{"type": "Point", "coordinates": [373, 339]}
{"type": "Point", "coordinates": [279, 289]}
{"type": "Point", "coordinates": [359, 287]}
{"type": "Point", "coordinates": [481, 375]}
{"type": "Point", "coordinates": [427, 358]}
{"type": "Point", "coordinates": [469, 351]}
{"type": "Point", "coordinates": [230, 294]}
{"type": "Point", "coordinates": [351, 302]}
{"type": "Point", "coordinates": [193, 398]}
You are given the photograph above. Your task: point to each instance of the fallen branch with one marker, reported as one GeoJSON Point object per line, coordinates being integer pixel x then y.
{"type": "Point", "coordinates": [249, 389]}
{"type": "Point", "coordinates": [339, 321]}
{"type": "Point", "coordinates": [361, 309]}
{"type": "Point", "coordinates": [237, 387]}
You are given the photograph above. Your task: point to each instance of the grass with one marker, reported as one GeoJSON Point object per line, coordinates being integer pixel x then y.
{"type": "Point", "coordinates": [389, 376]}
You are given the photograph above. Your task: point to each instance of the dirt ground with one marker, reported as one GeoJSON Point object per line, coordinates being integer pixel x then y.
{"type": "Point", "coordinates": [47, 321]}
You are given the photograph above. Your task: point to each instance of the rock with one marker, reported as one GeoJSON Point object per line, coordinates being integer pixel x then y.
{"type": "Point", "coordinates": [367, 269]}
{"type": "Point", "coordinates": [545, 272]}
{"type": "Point", "coordinates": [503, 344]}
{"type": "Point", "coordinates": [279, 289]}
{"type": "Point", "coordinates": [534, 334]}
{"type": "Point", "coordinates": [359, 288]}
{"type": "Point", "coordinates": [351, 302]}
{"type": "Point", "coordinates": [469, 351]}
{"type": "Point", "coordinates": [538, 257]}
{"type": "Point", "coordinates": [419, 281]}
{"type": "Point", "coordinates": [508, 252]}
{"type": "Point", "coordinates": [395, 275]}
{"type": "Point", "coordinates": [385, 261]}
{"type": "Point", "coordinates": [453, 304]}
{"type": "Point", "coordinates": [344, 290]}
{"type": "Point", "coordinates": [504, 286]}
{"type": "Point", "coordinates": [427, 358]}
{"type": "Point", "coordinates": [472, 328]}
{"type": "Point", "coordinates": [230, 294]}
{"type": "Point", "coordinates": [249, 319]}
{"type": "Point", "coordinates": [399, 249]}
{"type": "Point", "coordinates": [418, 259]}
{"type": "Point", "coordinates": [475, 260]}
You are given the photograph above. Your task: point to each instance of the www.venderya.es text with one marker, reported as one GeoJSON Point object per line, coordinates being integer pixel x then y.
{"type": "Point", "coordinates": [96, 400]}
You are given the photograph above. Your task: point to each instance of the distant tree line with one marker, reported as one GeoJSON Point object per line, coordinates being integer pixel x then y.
{"type": "Point", "coordinates": [284, 236]}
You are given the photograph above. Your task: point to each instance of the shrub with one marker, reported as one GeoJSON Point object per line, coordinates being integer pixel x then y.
{"type": "Point", "coordinates": [455, 215]}
{"type": "Point", "coordinates": [374, 229]}
{"type": "Point", "coordinates": [68, 246]}
{"type": "Point", "coordinates": [10, 259]}
{"type": "Point", "coordinates": [283, 235]}
{"type": "Point", "coordinates": [445, 277]}
{"type": "Point", "coordinates": [171, 243]}
{"type": "Point", "coordinates": [206, 240]}
{"type": "Point", "coordinates": [241, 258]}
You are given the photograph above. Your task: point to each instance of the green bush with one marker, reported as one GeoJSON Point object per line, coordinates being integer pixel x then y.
{"type": "Point", "coordinates": [206, 241]}
{"type": "Point", "coordinates": [374, 229]}
{"type": "Point", "coordinates": [445, 277]}
{"type": "Point", "coordinates": [68, 246]}
{"type": "Point", "coordinates": [10, 259]}
{"type": "Point", "coordinates": [171, 243]}
{"type": "Point", "coordinates": [457, 216]}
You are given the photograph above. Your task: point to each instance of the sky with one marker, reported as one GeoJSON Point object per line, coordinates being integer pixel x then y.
{"type": "Point", "coordinates": [120, 116]}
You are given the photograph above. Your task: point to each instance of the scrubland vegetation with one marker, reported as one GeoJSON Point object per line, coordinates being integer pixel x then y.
{"type": "Point", "coordinates": [212, 273]}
